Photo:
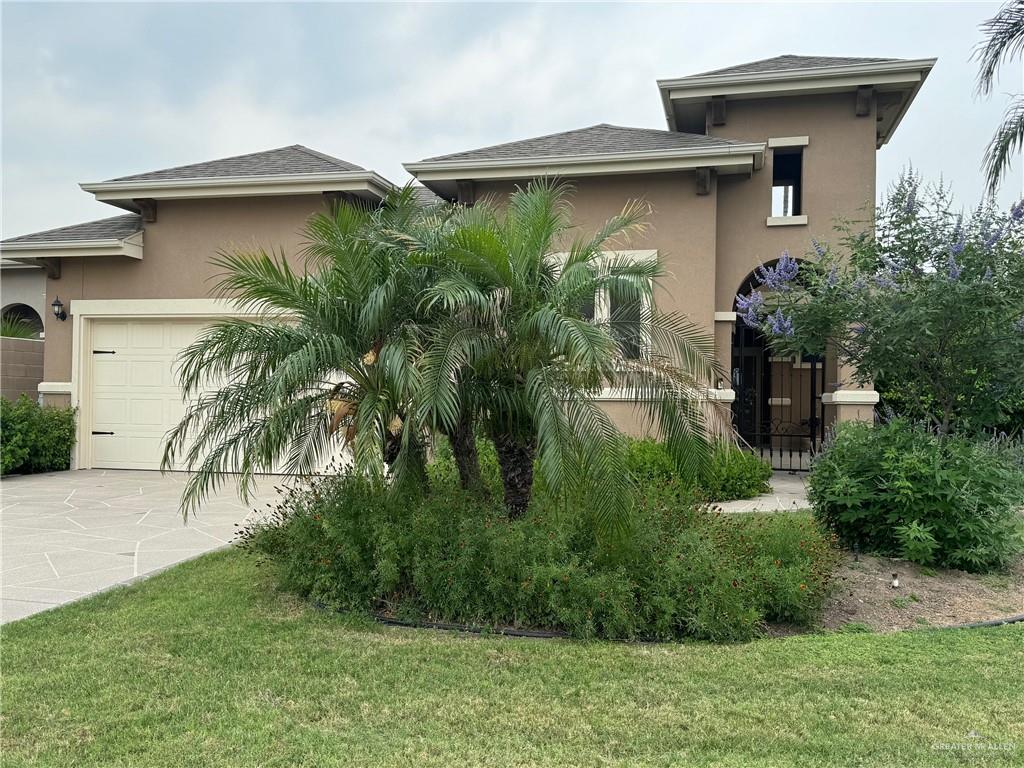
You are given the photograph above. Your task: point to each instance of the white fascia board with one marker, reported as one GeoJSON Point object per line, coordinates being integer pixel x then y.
{"type": "Point", "coordinates": [851, 75]}
{"type": "Point", "coordinates": [55, 388]}
{"type": "Point", "coordinates": [725, 317]}
{"type": "Point", "coordinates": [242, 186]}
{"type": "Point", "coordinates": [739, 155]}
{"type": "Point", "coordinates": [157, 308]}
{"type": "Point", "coordinates": [131, 247]}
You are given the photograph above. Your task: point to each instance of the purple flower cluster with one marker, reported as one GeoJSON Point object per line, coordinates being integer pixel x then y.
{"type": "Point", "coordinates": [749, 306]}
{"type": "Point", "coordinates": [777, 278]}
{"type": "Point", "coordinates": [833, 276]}
{"type": "Point", "coordinates": [884, 280]}
{"type": "Point", "coordinates": [1017, 211]}
{"type": "Point", "coordinates": [993, 238]}
{"type": "Point", "coordinates": [954, 269]}
{"type": "Point", "coordinates": [819, 248]}
{"type": "Point", "coordinates": [1019, 325]}
{"type": "Point", "coordinates": [910, 204]}
{"type": "Point", "coordinates": [780, 325]}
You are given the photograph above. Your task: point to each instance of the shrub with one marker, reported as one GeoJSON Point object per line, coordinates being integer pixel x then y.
{"type": "Point", "coordinates": [448, 555]}
{"type": "Point", "coordinates": [733, 474]}
{"type": "Point", "coordinates": [35, 438]}
{"type": "Point", "coordinates": [902, 490]}
{"type": "Point", "coordinates": [927, 304]}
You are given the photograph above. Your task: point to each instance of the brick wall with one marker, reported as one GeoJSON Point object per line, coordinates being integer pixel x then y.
{"type": "Point", "coordinates": [21, 367]}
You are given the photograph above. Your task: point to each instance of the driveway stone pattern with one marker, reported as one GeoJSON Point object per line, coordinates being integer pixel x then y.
{"type": "Point", "coordinates": [789, 492]}
{"type": "Point", "coordinates": [66, 535]}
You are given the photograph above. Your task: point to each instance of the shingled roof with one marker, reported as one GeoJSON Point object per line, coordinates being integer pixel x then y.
{"type": "Point", "coordinates": [284, 161]}
{"type": "Point", "coordinates": [601, 139]}
{"type": "Point", "coordinates": [788, 62]}
{"type": "Point", "coordinates": [114, 228]}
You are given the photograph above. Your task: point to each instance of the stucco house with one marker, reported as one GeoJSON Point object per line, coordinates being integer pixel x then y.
{"type": "Point", "coordinates": [755, 159]}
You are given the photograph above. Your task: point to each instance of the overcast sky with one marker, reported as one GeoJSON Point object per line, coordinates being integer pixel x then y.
{"type": "Point", "coordinates": [95, 91]}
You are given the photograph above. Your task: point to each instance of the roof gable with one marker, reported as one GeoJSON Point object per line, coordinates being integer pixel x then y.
{"type": "Point", "coordinates": [284, 161]}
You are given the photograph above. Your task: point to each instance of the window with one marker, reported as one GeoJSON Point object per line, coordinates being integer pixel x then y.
{"type": "Point", "coordinates": [619, 307]}
{"type": "Point", "coordinates": [625, 312]}
{"type": "Point", "coordinates": [787, 186]}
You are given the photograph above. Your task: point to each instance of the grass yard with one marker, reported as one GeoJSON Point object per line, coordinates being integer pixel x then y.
{"type": "Point", "coordinates": [206, 665]}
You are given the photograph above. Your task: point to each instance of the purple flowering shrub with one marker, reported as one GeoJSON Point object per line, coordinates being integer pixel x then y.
{"type": "Point", "coordinates": [929, 307]}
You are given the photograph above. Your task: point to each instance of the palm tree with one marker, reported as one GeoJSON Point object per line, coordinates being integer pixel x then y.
{"type": "Point", "coordinates": [518, 350]}
{"type": "Point", "coordinates": [326, 361]}
{"type": "Point", "coordinates": [1005, 40]}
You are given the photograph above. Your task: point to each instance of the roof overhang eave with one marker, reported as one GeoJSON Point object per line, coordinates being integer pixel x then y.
{"type": "Point", "coordinates": [130, 247]}
{"type": "Point", "coordinates": [724, 83]}
{"type": "Point", "coordinates": [368, 184]}
{"type": "Point", "coordinates": [726, 158]}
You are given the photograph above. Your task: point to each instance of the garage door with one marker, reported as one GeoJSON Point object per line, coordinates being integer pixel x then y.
{"type": "Point", "coordinates": [135, 398]}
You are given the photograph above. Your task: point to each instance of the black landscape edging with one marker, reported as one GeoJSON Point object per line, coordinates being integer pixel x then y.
{"type": "Point", "coordinates": [990, 623]}
{"type": "Point", "coordinates": [542, 634]}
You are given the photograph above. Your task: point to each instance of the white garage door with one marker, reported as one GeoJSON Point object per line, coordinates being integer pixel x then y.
{"type": "Point", "coordinates": [135, 398]}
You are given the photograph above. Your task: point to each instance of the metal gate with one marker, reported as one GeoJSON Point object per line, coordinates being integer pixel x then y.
{"type": "Point", "coordinates": [778, 410]}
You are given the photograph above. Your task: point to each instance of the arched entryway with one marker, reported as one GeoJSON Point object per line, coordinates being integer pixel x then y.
{"type": "Point", "coordinates": [778, 409]}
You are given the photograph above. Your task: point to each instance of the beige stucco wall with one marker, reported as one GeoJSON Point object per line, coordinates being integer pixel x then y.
{"type": "Point", "coordinates": [681, 227]}
{"type": "Point", "coordinates": [177, 251]}
{"type": "Point", "coordinates": [838, 181]}
{"type": "Point", "coordinates": [23, 285]}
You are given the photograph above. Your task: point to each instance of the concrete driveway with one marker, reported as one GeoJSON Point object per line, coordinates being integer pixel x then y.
{"type": "Point", "coordinates": [66, 535]}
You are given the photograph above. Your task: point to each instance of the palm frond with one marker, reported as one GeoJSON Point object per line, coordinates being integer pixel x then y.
{"type": "Point", "coordinates": [1007, 142]}
{"type": "Point", "coordinates": [1004, 40]}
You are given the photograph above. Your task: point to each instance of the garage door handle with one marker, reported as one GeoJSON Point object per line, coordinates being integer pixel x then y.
{"type": "Point", "coordinates": [102, 433]}
{"type": "Point", "coordinates": [104, 352]}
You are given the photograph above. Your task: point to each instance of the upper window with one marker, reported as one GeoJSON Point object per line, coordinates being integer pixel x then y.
{"type": "Point", "coordinates": [787, 181]}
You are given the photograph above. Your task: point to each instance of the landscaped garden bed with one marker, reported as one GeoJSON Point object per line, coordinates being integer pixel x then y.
{"type": "Point", "coordinates": [864, 599]}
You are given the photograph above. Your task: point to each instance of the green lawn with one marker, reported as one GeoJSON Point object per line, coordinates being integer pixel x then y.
{"type": "Point", "coordinates": [206, 665]}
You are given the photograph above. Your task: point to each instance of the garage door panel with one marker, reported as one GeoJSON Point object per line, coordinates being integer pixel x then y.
{"type": "Point", "coordinates": [108, 410]}
{"type": "Point", "coordinates": [109, 373]}
{"type": "Point", "coordinates": [149, 373]}
{"type": "Point", "coordinates": [148, 336]}
{"type": "Point", "coordinates": [148, 412]}
{"type": "Point", "coordinates": [109, 334]}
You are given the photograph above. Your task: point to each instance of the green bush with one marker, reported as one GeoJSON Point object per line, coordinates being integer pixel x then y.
{"type": "Point", "coordinates": [899, 489]}
{"type": "Point", "coordinates": [734, 473]}
{"type": "Point", "coordinates": [35, 438]}
{"type": "Point", "coordinates": [447, 555]}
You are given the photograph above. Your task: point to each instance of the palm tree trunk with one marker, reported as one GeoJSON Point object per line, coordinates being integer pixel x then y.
{"type": "Point", "coordinates": [515, 459]}
{"type": "Point", "coordinates": [463, 443]}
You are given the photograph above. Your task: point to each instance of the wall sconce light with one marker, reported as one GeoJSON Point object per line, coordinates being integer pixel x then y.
{"type": "Point", "coordinates": [58, 309]}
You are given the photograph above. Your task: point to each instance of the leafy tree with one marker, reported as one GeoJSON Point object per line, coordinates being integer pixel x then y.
{"type": "Point", "coordinates": [518, 351]}
{"type": "Point", "coordinates": [1005, 41]}
{"type": "Point", "coordinates": [327, 361]}
{"type": "Point", "coordinates": [930, 307]}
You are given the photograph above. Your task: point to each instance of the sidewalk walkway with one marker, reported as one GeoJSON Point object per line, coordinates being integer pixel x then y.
{"type": "Point", "coordinates": [788, 492]}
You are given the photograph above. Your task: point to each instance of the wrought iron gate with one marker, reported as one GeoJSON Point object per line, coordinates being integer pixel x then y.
{"type": "Point", "coordinates": [778, 409]}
